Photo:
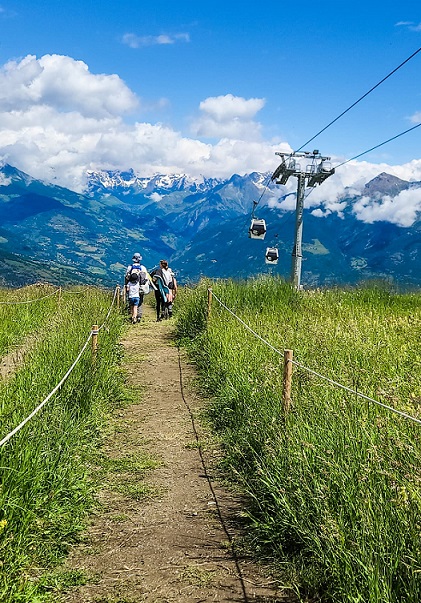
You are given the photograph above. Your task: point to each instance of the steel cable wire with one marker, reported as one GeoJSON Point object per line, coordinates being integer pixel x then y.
{"type": "Point", "coordinates": [360, 99]}
{"type": "Point", "coordinates": [377, 146]}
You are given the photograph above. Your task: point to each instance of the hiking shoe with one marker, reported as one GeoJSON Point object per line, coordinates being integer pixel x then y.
{"type": "Point", "coordinates": [134, 321]}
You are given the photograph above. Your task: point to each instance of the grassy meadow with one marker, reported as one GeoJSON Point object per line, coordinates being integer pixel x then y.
{"type": "Point", "coordinates": [23, 311]}
{"type": "Point", "coordinates": [44, 468]}
{"type": "Point", "coordinates": [334, 486]}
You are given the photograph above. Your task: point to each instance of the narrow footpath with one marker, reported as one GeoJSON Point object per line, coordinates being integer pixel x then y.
{"type": "Point", "coordinates": [168, 534]}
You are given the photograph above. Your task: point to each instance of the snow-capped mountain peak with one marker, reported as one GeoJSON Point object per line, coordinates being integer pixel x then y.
{"type": "Point", "coordinates": [121, 180]}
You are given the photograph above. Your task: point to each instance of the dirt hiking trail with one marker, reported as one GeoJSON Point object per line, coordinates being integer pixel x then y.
{"type": "Point", "coordinates": [166, 535]}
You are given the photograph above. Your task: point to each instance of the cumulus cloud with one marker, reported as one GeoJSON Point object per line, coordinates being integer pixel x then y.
{"type": "Point", "coordinates": [156, 197]}
{"type": "Point", "coordinates": [319, 213]}
{"type": "Point", "coordinates": [58, 120]}
{"type": "Point", "coordinates": [64, 84]}
{"type": "Point", "coordinates": [134, 41]}
{"type": "Point", "coordinates": [403, 209]}
{"type": "Point", "coordinates": [228, 116]}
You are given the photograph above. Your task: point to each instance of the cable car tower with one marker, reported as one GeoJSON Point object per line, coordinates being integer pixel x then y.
{"type": "Point", "coordinates": [316, 170]}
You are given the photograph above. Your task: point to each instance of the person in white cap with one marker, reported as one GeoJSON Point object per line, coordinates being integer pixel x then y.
{"type": "Point", "coordinates": [135, 278]}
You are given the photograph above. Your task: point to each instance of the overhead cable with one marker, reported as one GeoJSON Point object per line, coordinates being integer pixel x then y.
{"type": "Point", "coordinates": [360, 99]}
{"type": "Point", "coordinates": [256, 203]}
{"type": "Point", "coordinates": [378, 145]}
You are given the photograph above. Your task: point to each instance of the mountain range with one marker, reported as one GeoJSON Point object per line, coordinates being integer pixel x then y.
{"type": "Point", "coordinates": [201, 226]}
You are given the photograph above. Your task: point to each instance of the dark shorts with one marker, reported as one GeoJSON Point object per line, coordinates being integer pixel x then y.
{"type": "Point", "coordinates": [134, 301]}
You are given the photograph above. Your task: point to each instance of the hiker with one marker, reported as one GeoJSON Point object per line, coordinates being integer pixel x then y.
{"type": "Point", "coordinates": [166, 290]}
{"type": "Point", "coordinates": [137, 285]}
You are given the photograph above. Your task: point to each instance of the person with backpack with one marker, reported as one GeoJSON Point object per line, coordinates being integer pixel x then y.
{"type": "Point", "coordinates": [166, 290]}
{"type": "Point", "coordinates": [137, 285]}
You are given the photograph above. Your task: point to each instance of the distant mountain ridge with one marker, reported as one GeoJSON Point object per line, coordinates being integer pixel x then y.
{"type": "Point", "coordinates": [200, 226]}
{"type": "Point", "coordinates": [129, 181]}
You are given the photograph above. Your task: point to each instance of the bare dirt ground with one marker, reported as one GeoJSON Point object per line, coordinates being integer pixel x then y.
{"type": "Point", "coordinates": [14, 359]}
{"type": "Point", "coordinates": [172, 539]}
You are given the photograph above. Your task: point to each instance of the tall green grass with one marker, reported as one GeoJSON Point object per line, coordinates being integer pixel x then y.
{"type": "Point", "coordinates": [23, 311]}
{"type": "Point", "coordinates": [334, 485]}
{"type": "Point", "coordinates": [44, 469]}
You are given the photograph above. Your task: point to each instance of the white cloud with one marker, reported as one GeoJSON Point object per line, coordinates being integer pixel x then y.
{"type": "Point", "coordinates": [229, 116]}
{"type": "Point", "coordinates": [225, 108]}
{"type": "Point", "coordinates": [134, 41]}
{"type": "Point", "coordinates": [410, 25]}
{"type": "Point", "coordinates": [58, 120]}
{"type": "Point", "coordinates": [319, 213]}
{"type": "Point", "coordinates": [403, 209]}
{"type": "Point", "coordinates": [155, 197]}
{"type": "Point", "coordinates": [64, 84]}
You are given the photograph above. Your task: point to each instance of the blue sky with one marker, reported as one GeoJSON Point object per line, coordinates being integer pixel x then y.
{"type": "Point", "coordinates": [207, 88]}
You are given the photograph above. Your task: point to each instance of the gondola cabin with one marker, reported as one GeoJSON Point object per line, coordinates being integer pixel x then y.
{"type": "Point", "coordinates": [272, 255]}
{"type": "Point", "coordinates": [257, 229]}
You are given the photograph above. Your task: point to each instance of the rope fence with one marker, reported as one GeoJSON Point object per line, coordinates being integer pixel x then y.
{"type": "Point", "coordinates": [288, 362]}
{"type": "Point", "coordinates": [31, 301]}
{"type": "Point", "coordinates": [115, 297]}
{"type": "Point", "coordinates": [50, 395]}
{"type": "Point", "coordinates": [93, 335]}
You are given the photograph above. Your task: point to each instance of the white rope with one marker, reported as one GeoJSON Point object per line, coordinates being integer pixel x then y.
{"type": "Point", "coordinates": [58, 386]}
{"type": "Point", "coordinates": [38, 408]}
{"type": "Point", "coordinates": [247, 327]}
{"type": "Point", "coordinates": [109, 311]}
{"type": "Point", "coordinates": [348, 389]}
{"type": "Point", "coordinates": [356, 392]}
{"type": "Point", "coordinates": [30, 301]}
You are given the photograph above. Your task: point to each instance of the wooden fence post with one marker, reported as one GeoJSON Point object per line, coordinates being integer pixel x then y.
{"type": "Point", "coordinates": [124, 297]}
{"type": "Point", "coordinates": [94, 341]}
{"type": "Point", "coordinates": [118, 297]}
{"type": "Point", "coordinates": [286, 392]}
{"type": "Point", "coordinates": [209, 303]}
